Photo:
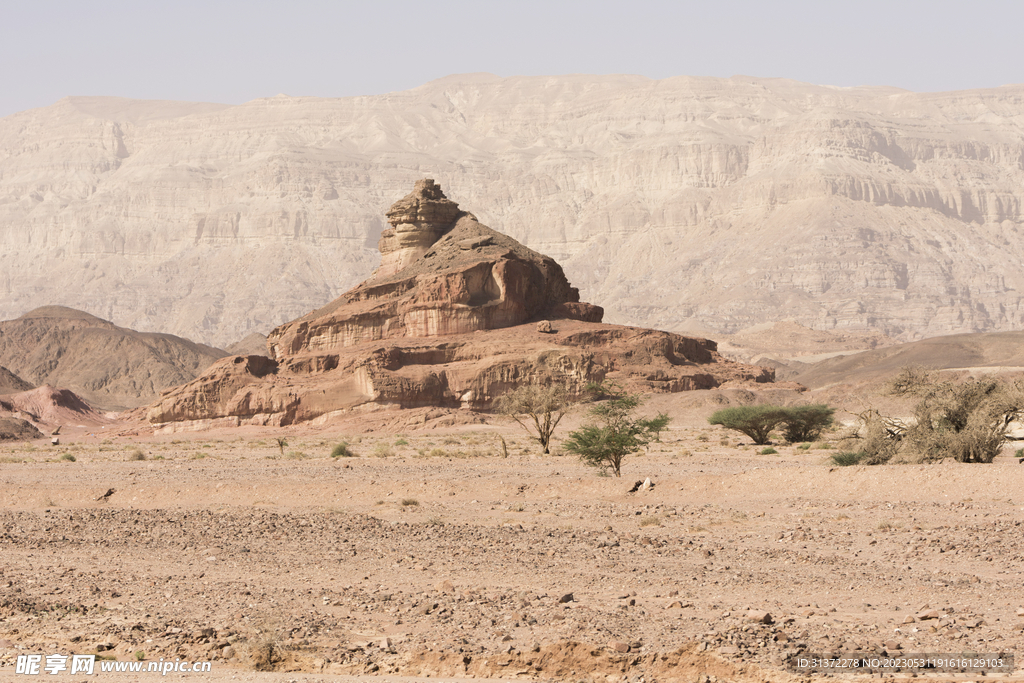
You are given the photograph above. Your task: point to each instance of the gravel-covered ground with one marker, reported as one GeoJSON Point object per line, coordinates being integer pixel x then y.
{"type": "Point", "coordinates": [430, 554]}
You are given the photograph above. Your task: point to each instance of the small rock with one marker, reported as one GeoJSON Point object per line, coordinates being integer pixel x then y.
{"type": "Point", "coordinates": [728, 650]}
{"type": "Point", "coordinates": [5, 644]}
{"type": "Point", "coordinates": [445, 586]}
{"type": "Point", "coordinates": [909, 619]}
{"type": "Point", "coordinates": [385, 643]}
{"type": "Point", "coordinates": [1020, 611]}
{"type": "Point", "coordinates": [104, 646]}
{"type": "Point", "coordinates": [758, 616]}
{"type": "Point", "coordinates": [506, 638]}
{"type": "Point", "coordinates": [545, 327]}
{"type": "Point", "coordinates": [568, 597]}
{"type": "Point", "coordinates": [228, 652]}
{"type": "Point", "coordinates": [647, 485]}
{"type": "Point", "coordinates": [781, 637]}
{"type": "Point", "coordinates": [892, 645]}
{"type": "Point", "coordinates": [618, 646]}
{"type": "Point", "coordinates": [636, 487]}
{"type": "Point", "coordinates": [929, 614]}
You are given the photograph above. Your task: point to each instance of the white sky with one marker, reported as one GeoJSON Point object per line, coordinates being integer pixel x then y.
{"type": "Point", "coordinates": [234, 51]}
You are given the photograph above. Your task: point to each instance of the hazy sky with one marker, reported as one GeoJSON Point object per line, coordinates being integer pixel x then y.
{"type": "Point", "coordinates": [237, 50]}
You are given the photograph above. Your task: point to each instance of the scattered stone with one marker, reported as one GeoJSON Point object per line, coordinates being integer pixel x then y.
{"type": "Point", "coordinates": [929, 614]}
{"type": "Point", "coordinates": [618, 646]}
{"type": "Point", "coordinates": [892, 645]}
{"type": "Point", "coordinates": [647, 485]}
{"type": "Point", "coordinates": [758, 616]}
{"type": "Point", "coordinates": [636, 487]}
{"type": "Point", "coordinates": [545, 327]}
{"type": "Point", "coordinates": [909, 619]}
{"type": "Point", "coordinates": [445, 586]}
{"type": "Point", "coordinates": [568, 597]}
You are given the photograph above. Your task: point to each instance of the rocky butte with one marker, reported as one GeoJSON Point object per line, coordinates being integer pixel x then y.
{"type": "Point", "coordinates": [456, 315]}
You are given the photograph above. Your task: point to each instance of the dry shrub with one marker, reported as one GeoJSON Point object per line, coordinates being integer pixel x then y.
{"type": "Point", "coordinates": [964, 420]}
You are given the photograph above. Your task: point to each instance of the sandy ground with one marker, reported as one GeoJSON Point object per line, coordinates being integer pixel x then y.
{"type": "Point", "coordinates": [429, 554]}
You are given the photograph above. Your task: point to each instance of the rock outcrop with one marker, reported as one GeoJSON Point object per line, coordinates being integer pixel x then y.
{"type": "Point", "coordinates": [682, 204]}
{"type": "Point", "coordinates": [110, 367]}
{"type": "Point", "coordinates": [447, 275]}
{"type": "Point", "coordinates": [16, 429]}
{"type": "Point", "coordinates": [451, 322]}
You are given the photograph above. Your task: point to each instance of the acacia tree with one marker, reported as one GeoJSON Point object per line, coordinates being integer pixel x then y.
{"type": "Point", "coordinates": [757, 422]}
{"type": "Point", "coordinates": [543, 407]}
{"type": "Point", "coordinates": [614, 432]}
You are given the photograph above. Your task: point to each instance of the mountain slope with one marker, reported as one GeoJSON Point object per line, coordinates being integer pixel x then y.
{"type": "Point", "coordinates": [109, 366]}
{"type": "Point", "coordinates": [681, 204]}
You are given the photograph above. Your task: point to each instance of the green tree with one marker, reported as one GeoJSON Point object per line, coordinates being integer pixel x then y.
{"type": "Point", "coordinates": [806, 423]}
{"type": "Point", "coordinates": [757, 422]}
{"type": "Point", "coordinates": [658, 423]}
{"type": "Point", "coordinates": [543, 407]}
{"type": "Point", "coordinates": [614, 431]}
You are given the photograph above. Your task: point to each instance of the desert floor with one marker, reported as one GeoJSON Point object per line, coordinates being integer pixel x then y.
{"type": "Point", "coordinates": [430, 554]}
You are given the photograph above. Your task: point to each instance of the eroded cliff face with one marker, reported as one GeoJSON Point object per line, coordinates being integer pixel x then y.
{"type": "Point", "coordinates": [679, 204]}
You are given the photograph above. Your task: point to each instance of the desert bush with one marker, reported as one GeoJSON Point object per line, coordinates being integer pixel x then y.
{"type": "Point", "coordinates": [613, 434]}
{"type": "Point", "coordinates": [136, 454]}
{"type": "Point", "coordinates": [401, 442]}
{"type": "Point", "coordinates": [342, 451]}
{"type": "Point", "coordinates": [410, 502]}
{"type": "Point", "coordinates": [807, 422]}
{"type": "Point", "coordinates": [804, 447]}
{"type": "Point", "coordinates": [382, 450]}
{"type": "Point", "coordinates": [542, 406]}
{"type": "Point", "coordinates": [768, 451]}
{"type": "Point", "coordinates": [281, 444]}
{"type": "Point", "coordinates": [68, 457]}
{"type": "Point", "coordinates": [965, 420]}
{"type": "Point", "coordinates": [847, 458]}
{"type": "Point", "coordinates": [757, 422]}
{"type": "Point", "coordinates": [650, 521]}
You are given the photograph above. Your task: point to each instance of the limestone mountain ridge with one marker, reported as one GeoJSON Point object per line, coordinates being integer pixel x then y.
{"type": "Point", "coordinates": [696, 204]}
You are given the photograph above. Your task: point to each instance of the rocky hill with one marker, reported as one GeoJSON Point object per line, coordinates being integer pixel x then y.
{"type": "Point", "coordinates": [987, 352]}
{"type": "Point", "coordinates": [456, 315]}
{"type": "Point", "coordinates": [11, 383]}
{"type": "Point", "coordinates": [681, 204]}
{"type": "Point", "coordinates": [110, 367]}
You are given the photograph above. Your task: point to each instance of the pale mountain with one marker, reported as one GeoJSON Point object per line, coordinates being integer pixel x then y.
{"type": "Point", "coordinates": [682, 204]}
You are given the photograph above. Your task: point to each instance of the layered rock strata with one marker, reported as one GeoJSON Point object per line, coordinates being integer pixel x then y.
{"type": "Point", "coordinates": [682, 204]}
{"type": "Point", "coordinates": [450, 319]}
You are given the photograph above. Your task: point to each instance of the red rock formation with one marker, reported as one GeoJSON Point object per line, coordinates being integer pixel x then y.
{"type": "Point", "coordinates": [445, 321]}
{"type": "Point", "coordinates": [441, 273]}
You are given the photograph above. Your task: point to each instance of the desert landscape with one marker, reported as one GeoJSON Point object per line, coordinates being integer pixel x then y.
{"type": "Point", "coordinates": [252, 387]}
{"type": "Point", "coordinates": [351, 503]}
